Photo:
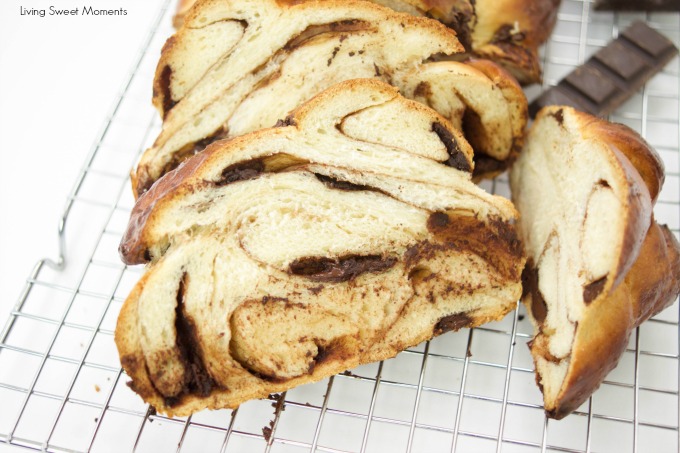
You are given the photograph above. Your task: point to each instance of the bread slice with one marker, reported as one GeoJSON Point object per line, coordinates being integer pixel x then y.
{"type": "Point", "coordinates": [238, 66]}
{"type": "Point", "coordinates": [287, 255]}
{"type": "Point", "coordinates": [508, 32]}
{"type": "Point", "coordinates": [597, 263]}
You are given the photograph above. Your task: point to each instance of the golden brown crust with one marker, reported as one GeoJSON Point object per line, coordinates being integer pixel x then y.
{"type": "Point", "coordinates": [637, 223]}
{"type": "Point", "coordinates": [645, 173]}
{"type": "Point", "coordinates": [651, 290]}
{"type": "Point", "coordinates": [601, 339]}
{"type": "Point", "coordinates": [641, 155]}
{"type": "Point", "coordinates": [133, 248]}
{"type": "Point", "coordinates": [652, 284]}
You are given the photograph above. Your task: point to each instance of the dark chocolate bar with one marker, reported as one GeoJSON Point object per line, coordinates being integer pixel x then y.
{"type": "Point", "coordinates": [613, 74]}
{"type": "Point", "coordinates": [637, 5]}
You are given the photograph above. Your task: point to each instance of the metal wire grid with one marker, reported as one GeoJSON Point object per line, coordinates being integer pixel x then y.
{"type": "Point", "coordinates": [62, 388]}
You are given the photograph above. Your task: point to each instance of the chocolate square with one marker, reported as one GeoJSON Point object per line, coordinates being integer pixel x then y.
{"type": "Point", "coordinates": [622, 62]}
{"type": "Point", "coordinates": [592, 83]}
{"type": "Point", "coordinates": [647, 39]}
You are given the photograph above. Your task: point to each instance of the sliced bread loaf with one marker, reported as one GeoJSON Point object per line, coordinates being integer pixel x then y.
{"type": "Point", "coordinates": [508, 32]}
{"type": "Point", "coordinates": [238, 66]}
{"type": "Point", "coordinates": [597, 263]}
{"type": "Point", "coordinates": [350, 232]}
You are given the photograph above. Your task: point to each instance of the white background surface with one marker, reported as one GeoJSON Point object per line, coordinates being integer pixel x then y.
{"type": "Point", "coordinates": [59, 77]}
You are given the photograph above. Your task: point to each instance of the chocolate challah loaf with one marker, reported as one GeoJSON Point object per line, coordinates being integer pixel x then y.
{"type": "Point", "coordinates": [346, 234]}
{"type": "Point", "coordinates": [237, 66]}
{"type": "Point", "coordinates": [508, 32]}
{"type": "Point", "coordinates": [598, 264]}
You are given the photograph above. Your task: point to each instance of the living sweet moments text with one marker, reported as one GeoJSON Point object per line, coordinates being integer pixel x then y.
{"type": "Point", "coordinates": [80, 11]}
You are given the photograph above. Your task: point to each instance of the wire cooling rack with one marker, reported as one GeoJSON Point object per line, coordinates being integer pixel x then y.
{"type": "Point", "coordinates": [62, 388]}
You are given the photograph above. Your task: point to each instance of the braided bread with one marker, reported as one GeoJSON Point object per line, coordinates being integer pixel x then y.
{"type": "Point", "coordinates": [507, 32]}
{"type": "Point", "coordinates": [237, 66]}
{"type": "Point", "coordinates": [598, 264]}
{"type": "Point", "coordinates": [346, 234]}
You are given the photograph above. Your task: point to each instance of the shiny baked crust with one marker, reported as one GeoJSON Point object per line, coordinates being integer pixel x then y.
{"type": "Point", "coordinates": [345, 235]}
{"type": "Point", "coordinates": [509, 32]}
{"type": "Point", "coordinates": [220, 76]}
{"type": "Point", "coordinates": [598, 264]}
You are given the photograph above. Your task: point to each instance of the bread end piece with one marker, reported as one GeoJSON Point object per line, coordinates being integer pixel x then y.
{"type": "Point", "coordinates": [598, 263]}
